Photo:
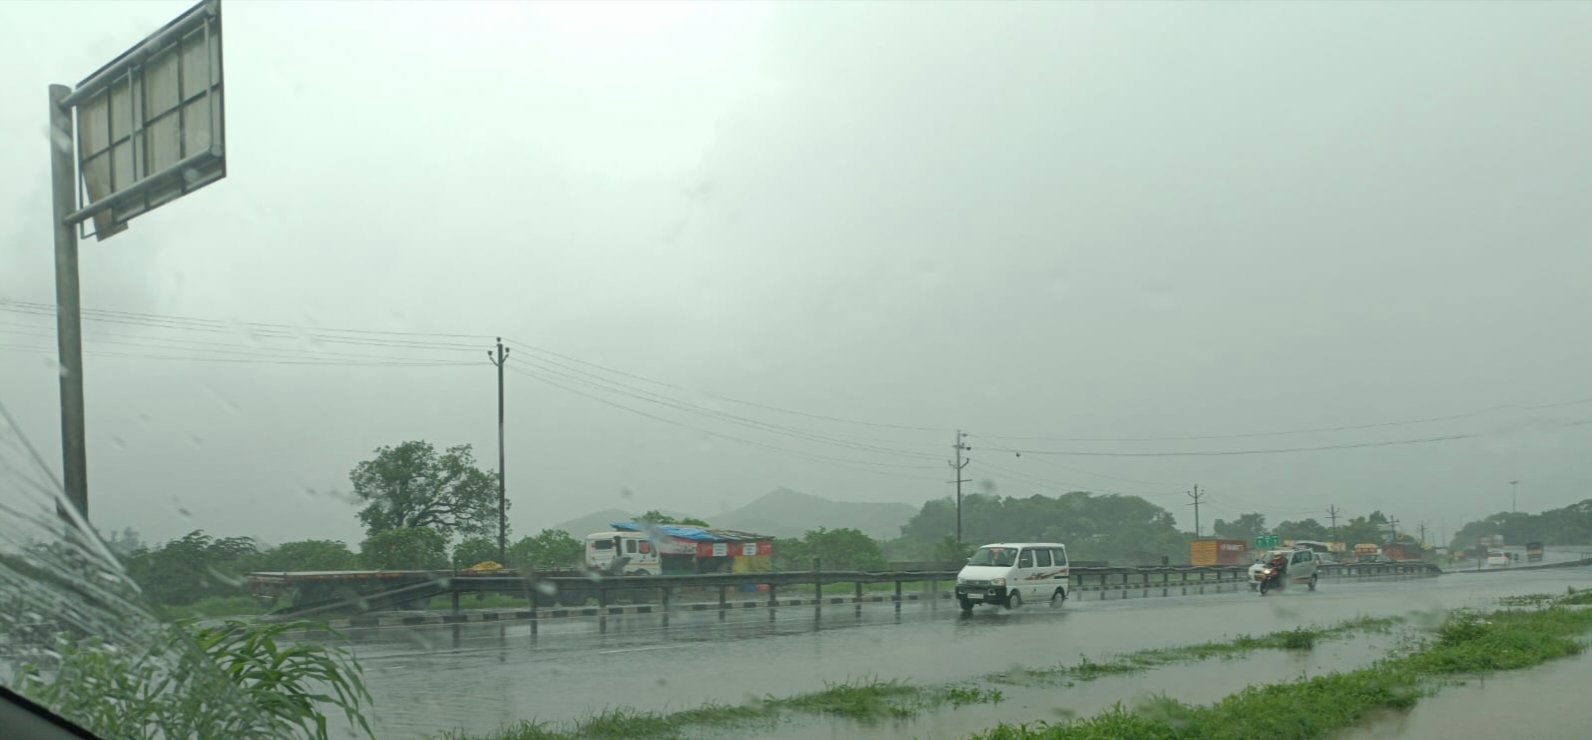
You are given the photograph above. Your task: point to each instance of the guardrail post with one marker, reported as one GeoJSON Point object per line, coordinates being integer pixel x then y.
{"type": "Point", "coordinates": [773, 599]}
{"type": "Point", "coordinates": [1146, 584]}
{"type": "Point", "coordinates": [898, 596]}
{"type": "Point", "coordinates": [602, 605]}
{"type": "Point", "coordinates": [859, 599]}
{"type": "Point", "coordinates": [723, 601]}
{"type": "Point", "coordinates": [818, 588]}
{"type": "Point", "coordinates": [666, 590]}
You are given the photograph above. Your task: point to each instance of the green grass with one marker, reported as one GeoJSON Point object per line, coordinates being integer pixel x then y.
{"type": "Point", "coordinates": [1468, 643]}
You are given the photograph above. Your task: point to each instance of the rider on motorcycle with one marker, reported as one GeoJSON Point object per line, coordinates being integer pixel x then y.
{"type": "Point", "coordinates": [1279, 562]}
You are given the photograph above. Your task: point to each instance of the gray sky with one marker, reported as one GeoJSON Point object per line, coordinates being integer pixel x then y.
{"type": "Point", "coordinates": [1058, 220]}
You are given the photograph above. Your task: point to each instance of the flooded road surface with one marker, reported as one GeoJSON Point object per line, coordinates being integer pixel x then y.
{"type": "Point", "coordinates": [497, 675]}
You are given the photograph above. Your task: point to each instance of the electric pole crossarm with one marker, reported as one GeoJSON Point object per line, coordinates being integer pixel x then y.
{"type": "Point", "coordinates": [1196, 494]}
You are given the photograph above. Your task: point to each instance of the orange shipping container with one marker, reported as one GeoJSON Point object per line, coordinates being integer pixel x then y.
{"type": "Point", "coordinates": [1218, 552]}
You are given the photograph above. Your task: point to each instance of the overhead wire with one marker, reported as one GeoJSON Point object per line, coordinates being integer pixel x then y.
{"type": "Point", "coordinates": [718, 435]}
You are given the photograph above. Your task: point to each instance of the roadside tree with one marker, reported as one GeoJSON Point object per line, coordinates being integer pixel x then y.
{"type": "Point", "coordinates": [413, 485]}
{"type": "Point", "coordinates": [553, 548]}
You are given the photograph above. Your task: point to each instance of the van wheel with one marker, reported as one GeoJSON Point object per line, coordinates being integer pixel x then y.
{"type": "Point", "coordinates": [1014, 600]}
{"type": "Point", "coordinates": [1313, 578]}
{"type": "Point", "coordinates": [967, 606]}
{"type": "Point", "coordinates": [1056, 599]}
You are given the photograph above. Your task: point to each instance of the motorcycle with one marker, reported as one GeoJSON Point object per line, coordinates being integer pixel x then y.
{"type": "Point", "coordinates": [1270, 578]}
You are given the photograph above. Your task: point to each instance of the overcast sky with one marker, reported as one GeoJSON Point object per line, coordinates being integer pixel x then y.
{"type": "Point", "coordinates": [1043, 223]}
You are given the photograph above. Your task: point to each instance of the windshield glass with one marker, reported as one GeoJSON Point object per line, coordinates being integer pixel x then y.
{"type": "Point", "coordinates": [571, 370]}
{"type": "Point", "coordinates": [998, 556]}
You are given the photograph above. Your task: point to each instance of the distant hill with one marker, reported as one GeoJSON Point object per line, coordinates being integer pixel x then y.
{"type": "Point", "coordinates": [602, 521]}
{"type": "Point", "coordinates": [786, 513]}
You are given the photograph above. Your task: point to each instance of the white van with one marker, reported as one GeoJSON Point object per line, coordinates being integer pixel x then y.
{"type": "Point", "coordinates": [1009, 573]}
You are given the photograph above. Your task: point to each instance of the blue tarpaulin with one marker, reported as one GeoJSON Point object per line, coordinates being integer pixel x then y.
{"type": "Point", "coordinates": [696, 534]}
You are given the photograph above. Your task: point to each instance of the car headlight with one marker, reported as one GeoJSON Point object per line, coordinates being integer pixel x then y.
{"type": "Point", "coordinates": [961, 581]}
{"type": "Point", "coordinates": [997, 581]}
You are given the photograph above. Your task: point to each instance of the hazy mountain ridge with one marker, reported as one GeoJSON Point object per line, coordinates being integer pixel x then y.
{"type": "Point", "coordinates": [781, 513]}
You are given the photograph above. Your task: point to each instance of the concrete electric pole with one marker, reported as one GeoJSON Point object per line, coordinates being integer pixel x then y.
{"type": "Point", "coordinates": [956, 466]}
{"type": "Point", "coordinates": [498, 359]}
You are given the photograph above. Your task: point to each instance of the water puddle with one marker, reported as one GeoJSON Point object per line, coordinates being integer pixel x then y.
{"type": "Point", "coordinates": [1055, 700]}
{"type": "Point", "coordinates": [1544, 703]}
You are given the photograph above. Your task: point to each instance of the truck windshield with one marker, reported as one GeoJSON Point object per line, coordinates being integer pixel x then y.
{"type": "Point", "coordinates": [999, 556]}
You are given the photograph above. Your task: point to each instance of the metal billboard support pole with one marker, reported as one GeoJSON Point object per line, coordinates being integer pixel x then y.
{"type": "Point", "coordinates": [68, 306]}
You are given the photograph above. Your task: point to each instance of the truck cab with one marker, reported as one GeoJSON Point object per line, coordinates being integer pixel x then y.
{"type": "Point", "coordinates": [622, 553]}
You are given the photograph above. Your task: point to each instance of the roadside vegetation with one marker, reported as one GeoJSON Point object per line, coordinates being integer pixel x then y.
{"type": "Point", "coordinates": [233, 680]}
{"type": "Point", "coordinates": [1468, 644]}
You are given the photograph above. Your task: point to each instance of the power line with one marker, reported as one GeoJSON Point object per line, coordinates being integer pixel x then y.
{"type": "Point", "coordinates": [1316, 430]}
{"type": "Point", "coordinates": [723, 416]}
{"type": "Point", "coordinates": [726, 437]}
{"type": "Point", "coordinates": [1273, 451]}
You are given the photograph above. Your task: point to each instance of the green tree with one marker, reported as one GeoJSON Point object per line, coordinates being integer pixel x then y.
{"type": "Point", "coordinates": [412, 485]}
{"type": "Point", "coordinates": [948, 550]}
{"type": "Point", "coordinates": [838, 549]}
{"type": "Point", "coordinates": [553, 548]}
{"type": "Point", "coordinates": [192, 567]}
{"type": "Point", "coordinates": [1246, 527]}
{"type": "Point", "coordinates": [1114, 528]}
{"type": "Point", "coordinates": [1306, 529]}
{"type": "Point", "coordinates": [307, 555]}
{"type": "Point", "coordinates": [411, 548]}
{"type": "Point", "coordinates": [657, 517]}
{"type": "Point", "coordinates": [475, 550]}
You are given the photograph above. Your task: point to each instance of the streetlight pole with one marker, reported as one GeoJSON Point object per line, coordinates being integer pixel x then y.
{"type": "Point", "coordinates": [1514, 500]}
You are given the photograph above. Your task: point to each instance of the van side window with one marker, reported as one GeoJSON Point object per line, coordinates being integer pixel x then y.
{"type": "Point", "coordinates": [630, 546]}
{"type": "Point", "coordinates": [1026, 559]}
{"type": "Point", "coordinates": [1061, 556]}
{"type": "Point", "coordinates": [602, 545]}
{"type": "Point", "coordinates": [1041, 558]}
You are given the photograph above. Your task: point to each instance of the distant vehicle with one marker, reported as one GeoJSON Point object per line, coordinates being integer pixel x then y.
{"type": "Point", "coordinates": [1534, 551]}
{"type": "Point", "coordinates": [1009, 573]}
{"type": "Point", "coordinates": [1315, 546]}
{"type": "Point", "coordinates": [1496, 558]}
{"type": "Point", "coordinates": [1373, 558]}
{"type": "Point", "coordinates": [1303, 567]}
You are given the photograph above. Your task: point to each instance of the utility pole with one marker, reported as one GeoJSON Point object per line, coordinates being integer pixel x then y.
{"type": "Point", "coordinates": [498, 359]}
{"type": "Point", "coordinates": [1393, 528]}
{"type": "Point", "coordinates": [957, 465]}
{"type": "Point", "coordinates": [1513, 499]}
{"type": "Point", "coordinates": [1422, 527]}
{"type": "Point", "coordinates": [1196, 494]}
{"type": "Point", "coordinates": [1332, 515]}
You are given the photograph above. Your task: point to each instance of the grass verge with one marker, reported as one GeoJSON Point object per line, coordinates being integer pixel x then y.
{"type": "Point", "coordinates": [1468, 643]}
{"type": "Point", "coordinates": [870, 700]}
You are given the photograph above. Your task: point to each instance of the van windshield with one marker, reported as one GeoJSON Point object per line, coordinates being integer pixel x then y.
{"type": "Point", "coordinates": [999, 556]}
